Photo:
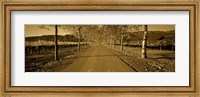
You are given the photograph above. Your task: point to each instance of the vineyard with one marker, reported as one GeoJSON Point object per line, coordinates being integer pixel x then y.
{"type": "Point", "coordinates": [40, 55]}
{"type": "Point", "coordinates": [45, 47]}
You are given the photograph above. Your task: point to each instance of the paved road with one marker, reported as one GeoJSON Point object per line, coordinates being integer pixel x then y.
{"type": "Point", "coordinates": [98, 59]}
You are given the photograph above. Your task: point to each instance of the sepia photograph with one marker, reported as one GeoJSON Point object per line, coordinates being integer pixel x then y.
{"type": "Point", "coordinates": [99, 48]}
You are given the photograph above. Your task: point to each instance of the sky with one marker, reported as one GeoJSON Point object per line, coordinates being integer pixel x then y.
{"type": "Point", "coordinates": [35, 30]}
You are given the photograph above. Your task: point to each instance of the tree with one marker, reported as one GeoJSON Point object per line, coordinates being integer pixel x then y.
{"type": "Point", "coordinates": [56, 43]}
{"type": "Point", "coordinates": [124, 29]}
{"type": "Point", "coordinates": [144, 42]}
{"type": "Point", "coordinates": [88, 33]}
{"type": "Point", "coordinates": [112, 32]}
{"type": "Point", "coordinates": [117, 33]}
{"type": "Point", "coordinates": [55, 39]}
{"type": "Point", "coordinates": [122, 42]}
{"type": "Point", "coordinates": [79, 39]}
{"type": "Point", "coordinates": [76, 29]}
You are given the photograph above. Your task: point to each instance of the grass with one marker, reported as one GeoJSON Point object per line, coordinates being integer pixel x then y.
{"type": "Point", "coordinates": [156, 61]}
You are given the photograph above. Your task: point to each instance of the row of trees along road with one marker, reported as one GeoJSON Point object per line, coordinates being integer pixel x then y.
{"type": "Point", "coordinates": [99, 33]}
{"type": "Point", "coordinates": [120, 32]}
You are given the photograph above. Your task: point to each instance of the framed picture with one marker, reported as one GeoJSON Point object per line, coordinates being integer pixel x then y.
{"type": "Point", "coordinates": [99, 47]}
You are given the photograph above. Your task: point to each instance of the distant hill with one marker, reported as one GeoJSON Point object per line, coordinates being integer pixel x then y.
{"type": "Point", "coordinates": [68, 38]}
{"type": "Point", "coordinates": [153, 38]}
{"type": "Point", "coordinates": [154, 35]}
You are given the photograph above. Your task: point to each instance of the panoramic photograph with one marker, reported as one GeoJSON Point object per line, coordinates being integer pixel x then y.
{"type": "Point", "coordinates": [99, 48]}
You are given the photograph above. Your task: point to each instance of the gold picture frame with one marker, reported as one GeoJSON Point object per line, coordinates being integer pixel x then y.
{"type": "Point", "coordinates": [7, 7]}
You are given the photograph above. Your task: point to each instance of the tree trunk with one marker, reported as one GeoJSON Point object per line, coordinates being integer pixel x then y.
{"type": "Point", "coordinates": [122, 40]}
{"type": "Point", "coordinates": [56, 42]}
{"type": "Point", "coordinates": [144, 42]}
{"type": "Point", "coordinates": [86, 42]}
{"type": "Point", "coordinates": [160, 47]}
{"type": "Point", "coordinates": [113, 43]}
{"type": "Point", "coordinates": [79, 40]}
